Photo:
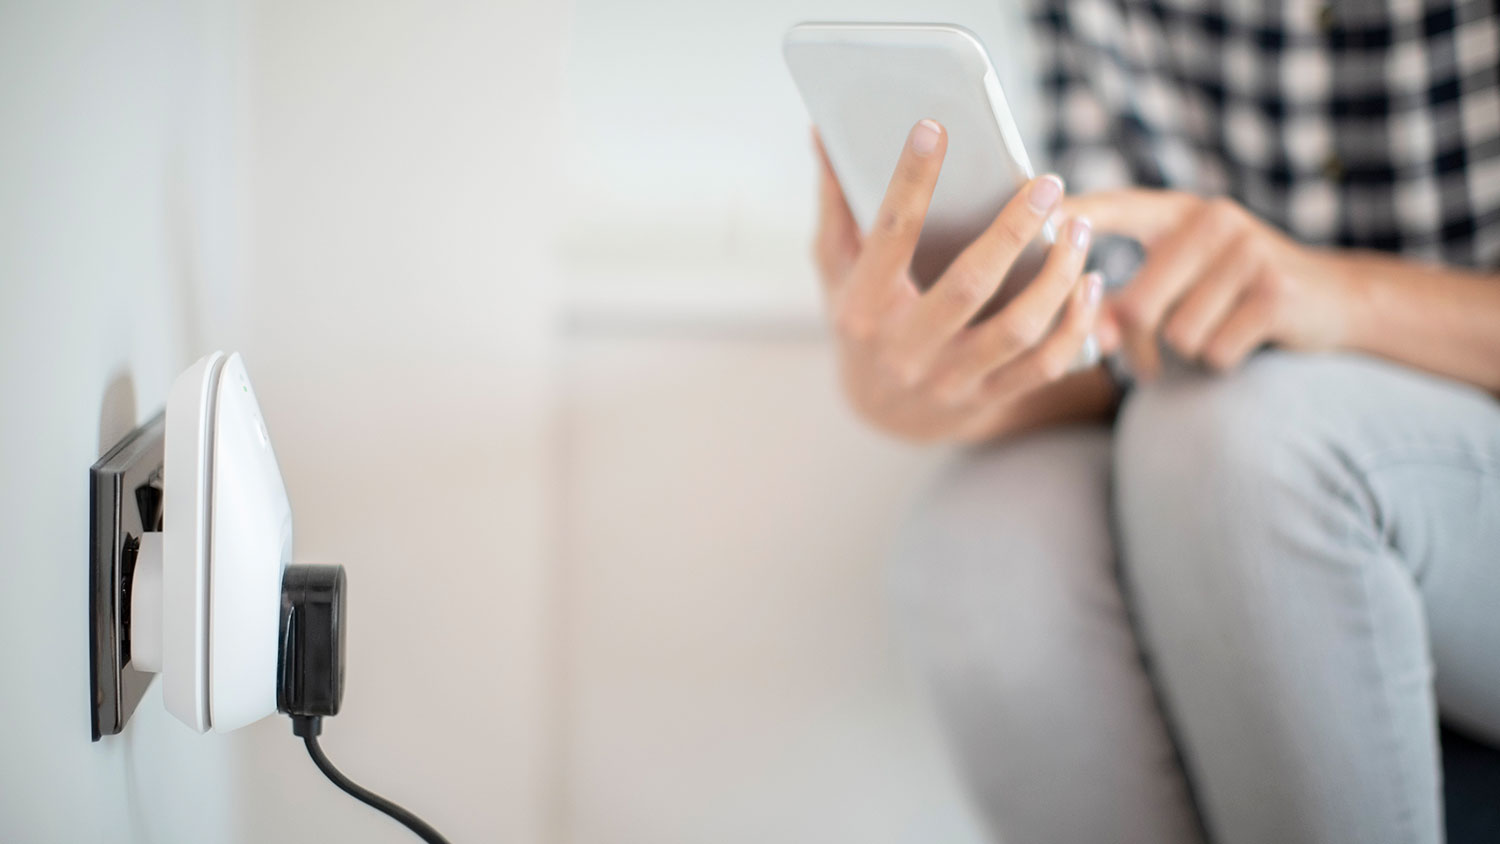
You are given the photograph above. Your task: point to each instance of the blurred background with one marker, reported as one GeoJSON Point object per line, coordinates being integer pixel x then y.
{"type": "Point", "coordinates": [525, 293]}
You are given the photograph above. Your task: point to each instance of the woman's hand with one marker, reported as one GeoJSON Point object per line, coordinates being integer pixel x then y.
{"type": "Point", "coordinates": [911, 362]}
{"type": "Point", "coordinates": [1217, 283]}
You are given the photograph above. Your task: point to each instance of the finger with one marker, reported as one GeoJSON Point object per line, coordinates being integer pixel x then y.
{"type": "Point", "coordinates": [1052, 358]}
{"type": "Point", "coordinates": [1246, 328]}
{"type": "Point", "coordinates": [880, 269]}
{"type": "Point", "coordinates": [1145, 215]}
{"type": "Point", "coordinates": [1138, 346]}
{"type": "Point", "coordinates": [1203, 308]}
{"type": "Point", "coordinates": [1023, 322]}
{"type": "Point", "coordinates": [837, 242]}
{"type": "Point", "coordinates": [1173, 264]}
{"type": "Point", "coordinates": [1107, 332]}
{"type": "Point", "coordinates": [969, 283]}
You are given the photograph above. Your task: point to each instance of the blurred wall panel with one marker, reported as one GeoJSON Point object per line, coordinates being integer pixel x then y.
{"type": "Point", "coordinates": [398, 330]}
{"type": "Point", "coordinates": [731, 673]}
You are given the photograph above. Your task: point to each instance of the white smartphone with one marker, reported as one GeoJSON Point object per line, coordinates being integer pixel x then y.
{"type": "Point", "coordinates": [867, 84]}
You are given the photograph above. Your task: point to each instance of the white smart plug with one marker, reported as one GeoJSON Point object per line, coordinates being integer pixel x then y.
{"type": "Point", "coordinates": [211, 600]}
{"type": "Point", "coordinates": [205, 601]}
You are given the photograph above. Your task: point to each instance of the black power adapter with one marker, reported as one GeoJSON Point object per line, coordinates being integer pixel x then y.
{"type": "Point", "coordinates": [310, 675]}
{"type": "Point", "coordinates": [311, 661]}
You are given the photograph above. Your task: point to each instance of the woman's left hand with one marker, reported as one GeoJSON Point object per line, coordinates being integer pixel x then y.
{"type": "Point", "coordinates": [1217, 283]}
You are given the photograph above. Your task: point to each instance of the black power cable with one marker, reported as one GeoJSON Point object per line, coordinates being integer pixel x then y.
{"type": "Point", "coordinates": [308, 727]}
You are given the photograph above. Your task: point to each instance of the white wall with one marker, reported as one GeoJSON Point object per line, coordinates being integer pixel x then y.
{"type": "Point", "coordinates": [119, 239]}
{"type": "Point", "coordinates": [353, 194]}
{"type": "Point", "coordinates": [398, 331]}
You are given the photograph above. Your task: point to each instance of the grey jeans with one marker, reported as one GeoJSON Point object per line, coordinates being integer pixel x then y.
{"type": "Point", "coordinates": [1235, 617]}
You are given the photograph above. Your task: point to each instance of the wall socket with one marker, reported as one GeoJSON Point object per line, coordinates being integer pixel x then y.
{"type": "Point", "coordinates": [125, 501]}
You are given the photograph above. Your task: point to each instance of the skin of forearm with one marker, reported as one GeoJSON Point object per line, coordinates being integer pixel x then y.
{"type": "Point", "coordinates": [1437, 319]}
{"type": "Point", "coordinates": [1441, 320]}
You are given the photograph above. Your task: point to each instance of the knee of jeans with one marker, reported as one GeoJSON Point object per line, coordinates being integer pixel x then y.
{"type": "Point", "coordinates": [1192, 438]}
{"type": "Point", "coordinates": [1224, 467]}
{"type": "Point", "coordinates": [1003, 549]}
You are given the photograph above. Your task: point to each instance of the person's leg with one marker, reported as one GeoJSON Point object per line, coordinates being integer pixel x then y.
{"type": "Point", "coordinates": [1300, 539]}
{"type": "Point", "coordinates": [1006, 579]}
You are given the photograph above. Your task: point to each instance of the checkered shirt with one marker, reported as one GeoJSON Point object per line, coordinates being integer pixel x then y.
{"type": "Point", "coordinates": [1366, 125]}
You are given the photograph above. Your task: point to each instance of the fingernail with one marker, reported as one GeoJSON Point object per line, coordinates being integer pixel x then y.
{"type": "Point", "coordinates": [925, 136]}
{"type": "Point", "coordinates": [1079, 230]}
{"type": "Point", "coordinates": [1094, 288]}
{"type": "Point", "coordinates": [1045, 192]}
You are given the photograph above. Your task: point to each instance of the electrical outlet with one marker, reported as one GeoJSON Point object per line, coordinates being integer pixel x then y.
{"type": "Point", "coordinates": [125, 497]}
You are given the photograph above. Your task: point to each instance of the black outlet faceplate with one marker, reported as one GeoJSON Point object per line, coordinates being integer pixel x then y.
{"type": "Point", "coordinates": [124, 501]}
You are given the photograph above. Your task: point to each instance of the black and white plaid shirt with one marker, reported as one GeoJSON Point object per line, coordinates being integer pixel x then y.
{"type": "Point", "coordinates": [1369, 124]}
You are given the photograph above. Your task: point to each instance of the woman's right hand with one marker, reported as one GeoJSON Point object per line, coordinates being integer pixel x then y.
{"type": "Point", "coordinates": [911, 362]}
